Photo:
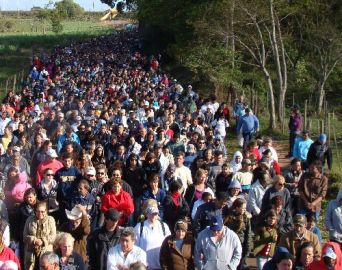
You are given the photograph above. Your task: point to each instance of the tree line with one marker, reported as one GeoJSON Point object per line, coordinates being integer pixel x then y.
{"type": "Point", "coordinates": [278, 45]}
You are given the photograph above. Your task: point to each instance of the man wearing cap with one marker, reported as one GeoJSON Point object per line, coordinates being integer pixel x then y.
{"type": "Point", "coordinates": [217, 247]}
{"type": "Point", "coordinates": [296, 237]}
{"type": "Point", "coordinates": [121, 256]}
{"type": "Point", "coordinates": [150, 235]}
{"type": "Point", "coordinates": [78, 225]}
{"type": "Point", "coordinates": [216, 207]}
{"type": "Point", "coordinates": [103, 239]}
{"type": "Point", "coordinates": [295, 124]}
{"type": "Point", "coordinates": [331, 258]}
{"type": "Point", "coordinates": [321, 151]}
{"type": "Point", "coordinates": [50, 162]}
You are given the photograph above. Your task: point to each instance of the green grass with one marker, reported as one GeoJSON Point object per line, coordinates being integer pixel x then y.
{"type": "Point", "coordinates": [28, 37]}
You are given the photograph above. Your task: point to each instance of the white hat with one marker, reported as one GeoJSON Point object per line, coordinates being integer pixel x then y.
{"type": "Point", "coordinates": [152, 210]}
{"type": "Point", "coordinates": [91, 170]}
{"type": "Point", "coordinates": [74, 214]}
{"type": "Point", "coordinates": [330, 253]}
{"type": "Point", "coordinates": [51, 153]}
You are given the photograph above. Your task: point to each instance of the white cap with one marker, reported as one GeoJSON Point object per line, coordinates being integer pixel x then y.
{"type": "Point", "coordinates": [74, 214]}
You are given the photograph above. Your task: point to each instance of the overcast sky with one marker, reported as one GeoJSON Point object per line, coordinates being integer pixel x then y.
{"type": "Point", "coordinates": [88, 5]}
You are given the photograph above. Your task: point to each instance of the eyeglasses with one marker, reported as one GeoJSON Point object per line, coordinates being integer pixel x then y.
{"type": "Point", "coordinates": [50, 174]}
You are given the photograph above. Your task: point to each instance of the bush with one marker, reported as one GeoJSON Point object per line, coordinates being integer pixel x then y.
{"type": "Point", "coordinates": [334, 184]}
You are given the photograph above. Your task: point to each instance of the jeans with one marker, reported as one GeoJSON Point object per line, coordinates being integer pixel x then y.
{"type": "Point", "coordinates": [247, 137]}
{"type": "Point", "coordinates": [304, 211]}
{"type": "Point", "coordinates": [261, 260]}
{"type": "Point", "coordinates": [293, 135]}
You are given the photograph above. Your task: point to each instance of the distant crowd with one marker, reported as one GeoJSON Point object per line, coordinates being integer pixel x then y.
{"type": "Point", "coordinates": [109, 163]}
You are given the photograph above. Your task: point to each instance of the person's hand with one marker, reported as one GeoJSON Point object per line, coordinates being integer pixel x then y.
{"type": "Point", "coordinates": [309, 205]}
{"type": "Point", "coordinates": [275, 238]}
{"type": "Point", "coordinates": [38, 242]}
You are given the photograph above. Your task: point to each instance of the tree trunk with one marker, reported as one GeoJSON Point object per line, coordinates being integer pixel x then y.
{"type": "Point", "coordinates": [321, 96]}
{"type": "Point", "coordinates": [272, 117]}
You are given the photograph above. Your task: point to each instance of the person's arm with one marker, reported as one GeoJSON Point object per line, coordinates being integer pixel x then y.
{"type": "Point", "coordinates": [198, 254]}
{"type": "Point", "coordinates": [256, 123]}
{"type": "Point", "coordinates": [164, 255]}
{"type": "Point", "coordinates": [329, 158]}
{"type": "Point", "coordinates": [328, 216]}
{"type": "Point", "coordinates": [252, 201]}
{"type": "Point", "coordinates": [237, 253]}
{"type": "Point", "coordinates": [51, 235]}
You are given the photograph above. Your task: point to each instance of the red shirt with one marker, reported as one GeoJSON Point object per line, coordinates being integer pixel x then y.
{"type": "Point", "coordinates": [8, 255]}
{"type": "Point", "coordinates": [121, 202]}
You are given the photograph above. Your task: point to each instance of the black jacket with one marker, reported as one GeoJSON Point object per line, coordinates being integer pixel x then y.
{"type": "Point", "coordinates": [322, 152]}
{"type": "Point", "coordinates": [172, 213]}
{"type": "Point", "coordinates": [98, 246]}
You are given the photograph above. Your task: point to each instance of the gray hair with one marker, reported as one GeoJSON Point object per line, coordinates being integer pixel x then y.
{"type": "Point", "coordinates": [50, 256]}
{"type": "Point", "coordinates": [128, 231]}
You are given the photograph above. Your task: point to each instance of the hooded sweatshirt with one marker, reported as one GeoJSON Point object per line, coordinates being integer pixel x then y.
{"type": "Point", "coordinates": [234, 167]}
{"type": "Point", "coordinates": [20, 187]}
{"type": "Point", "coordinates": [320, 265]}
{"type": "Point", "coordinates": [333, 218]}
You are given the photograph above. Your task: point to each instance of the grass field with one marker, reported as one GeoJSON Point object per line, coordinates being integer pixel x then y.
{"type": "Point", "coordinates": [27, 36]}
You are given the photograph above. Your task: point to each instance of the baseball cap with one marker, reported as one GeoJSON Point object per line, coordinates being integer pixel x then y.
{"type": "Point", "coordinates": [51, 153]}
{"type": "Point", "coordinates": [330, 253]}
{"type": "Point", "coordinates": [152, 210]}
{"type": "Point", "coordinates": [91, 171]}
{"type": "Point", "coordinates": [112, 214]}
{"type": "Point", "coordinates": [299, 220]}
{"type": "Point", "coordinates": [216, 223]}
{"type": "Point", "coordinates": [323, 137]}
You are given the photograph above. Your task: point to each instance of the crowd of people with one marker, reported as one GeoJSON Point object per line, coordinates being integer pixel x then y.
{"type": "Point", "coordinates": [108, 163]}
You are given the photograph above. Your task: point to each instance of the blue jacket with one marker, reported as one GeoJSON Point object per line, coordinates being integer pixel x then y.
{"type": "Point", "coordinates": [88, 201]}
{"type": "Point", "coordinates": [271, 264]}
{"type": "Point", "coordinates": [63, 138]}
{"type": "Point", "coordinates": [67, 180]}
{"type": "Point", "coordinates": [159, 197]}
{"type": "Point", "coordinates": [248, 123]}
{"type": "Point", "coordinates": [301, 148]}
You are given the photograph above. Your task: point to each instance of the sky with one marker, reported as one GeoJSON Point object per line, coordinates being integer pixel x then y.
{"type": "Point", "coordinates": [28, 4]}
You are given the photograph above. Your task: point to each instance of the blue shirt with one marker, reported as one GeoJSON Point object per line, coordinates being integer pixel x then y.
{"type": "Point", "coordinates": [249, 124]}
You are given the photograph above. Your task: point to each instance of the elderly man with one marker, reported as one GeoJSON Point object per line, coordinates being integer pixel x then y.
{"type": "Point", "coordinates": [296, 237]}
{"type": "Point", "coordinates": [49, 261]}
{"type": "Point", "coordinates": [217, 247]}
{"type": "Point", "coordinates": [121, 256]}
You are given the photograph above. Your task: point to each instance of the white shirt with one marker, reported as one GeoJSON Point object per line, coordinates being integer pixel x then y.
{"type": "Point", "coordinates": [3, 124]}
{"type": "Point", "coordinates": [184, 174]}
{"type": "Point", "coordinates": [116, 257]}
{"type": "Point", "coordinates": [150, 241]}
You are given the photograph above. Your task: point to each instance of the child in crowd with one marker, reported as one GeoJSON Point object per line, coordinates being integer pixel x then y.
{"type": "Point", "coordinates": [206, 197]}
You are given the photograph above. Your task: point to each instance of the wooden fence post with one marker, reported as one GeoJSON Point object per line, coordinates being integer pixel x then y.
{"type": "Point", "coordinates": [305, 113]}
{"type": "Point", "coordinates": [6, 89]}
{"type": "Point", "coordinates": [14, 82]}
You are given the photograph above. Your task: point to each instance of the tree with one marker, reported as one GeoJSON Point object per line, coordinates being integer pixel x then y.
{"type": "Point", "coordinates": [69, 8]}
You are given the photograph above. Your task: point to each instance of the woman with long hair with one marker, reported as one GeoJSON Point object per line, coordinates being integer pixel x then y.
{"type": "Point", "coordinates": [238, 220]}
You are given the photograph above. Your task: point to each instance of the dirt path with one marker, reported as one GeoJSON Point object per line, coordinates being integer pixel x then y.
{"type": "Point", "coordinates": [282, 149]}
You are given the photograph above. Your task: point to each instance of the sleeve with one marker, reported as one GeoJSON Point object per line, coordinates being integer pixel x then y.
{"type": "Point", "coordinates": [247, 239]}
{"type": "Point", "coordinates": [104, 204]}
{"type": "Point", "coordinates": [256, 122]}
{"type": "Point", "coordinates": [284, 242]}
{"type": "Point", "coordinates": [28, 238]}
{"type": "Point", "coordinates": [50, 237]}
{"type": "Point", "coordinates": [198, 254]}
{"type": "Point", "coordinates": [6, 236]}
{"type": "Point", "coordinates": [237, 253]}
{"type": "Point", "coordinates": [252, 202]}
{"type": "Point", "coordinates": [329, 158]}
{"type": "Point", "coordinates": [296, 149]}
{"type": "Point", "coordinates": [317, 247]}
{"type": "Point", "coordinates": [239, 126]}
{"type": "Point", "coordinates": [328, 216]}
{"type": "Point", "coordinates": [324, 187]}
{"type": "Point", "coordinates": [164, 255]}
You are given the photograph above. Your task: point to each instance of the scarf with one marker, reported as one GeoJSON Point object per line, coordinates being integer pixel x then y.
{"type": "Point", "coordinates": [40, 233]}
{"type": "Point", "coordinates": [175, 198]}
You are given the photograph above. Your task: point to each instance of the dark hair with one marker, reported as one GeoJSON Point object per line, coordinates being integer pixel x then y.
{"type": "Point", "coordinates": [317, 164]}
{"type": "Point", "coordinates": [310, 217]}
{"type": "Point", "coordinates": [206, 195]}
{"type": "Point", "coordinates": [67, 156]}
{"type": "Point", "coordinates": [277, 201]}
{"type": "Point", "coordinates": [266, 152]}
{"type": "Point", "coordinates": [283, 256]}
{"type": "Point", "coordinates": [175, 186]}
{"type": "Point", "coordinates": [30, 191]}
{"type": "Point", "coordinates": [294, 161]}
{"type": "Point", "coordinates": [238, 203]}
{"type": "Point", "coordinates": [304, 245]}
{"type": "Point", "coordinates": [221, 196]}
{"type": "Point", "coordinates": [128, 231]}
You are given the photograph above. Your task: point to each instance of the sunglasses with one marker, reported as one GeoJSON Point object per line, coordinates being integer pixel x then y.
{"type": "Point", "coordinates": [281, 185]}
{"type": "Point", "coordinates": [50, 174]}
